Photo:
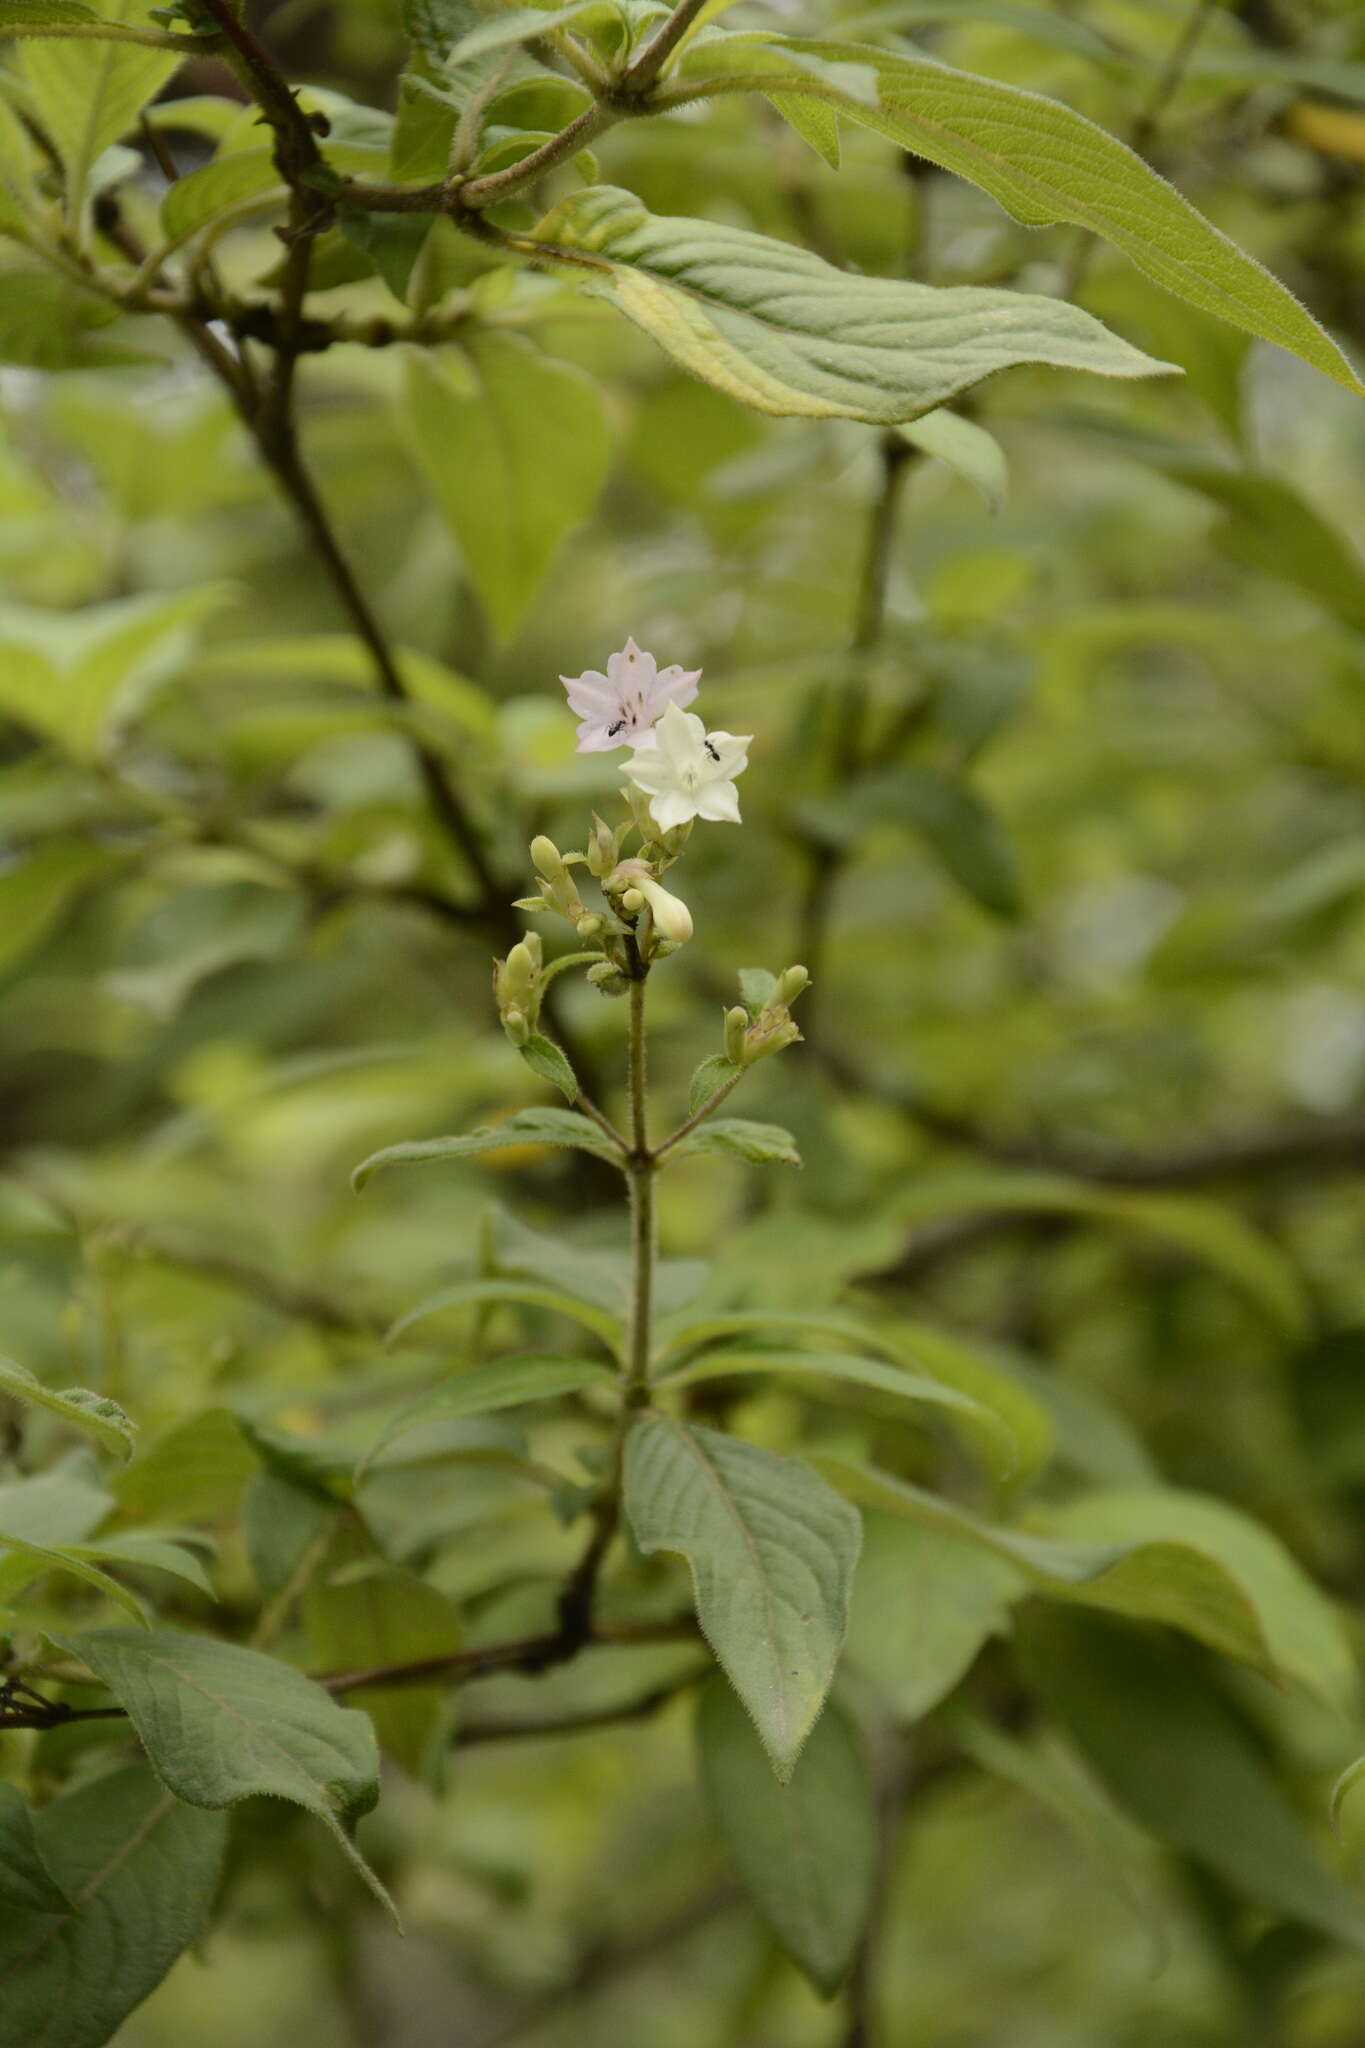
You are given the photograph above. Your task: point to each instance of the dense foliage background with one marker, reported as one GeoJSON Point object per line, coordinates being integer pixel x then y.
{"type": "Point", "coordinates": [1058, 788]}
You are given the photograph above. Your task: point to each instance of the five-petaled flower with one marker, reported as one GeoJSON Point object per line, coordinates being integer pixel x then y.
{"type": "Point", "coordinates": [621, 708]}
{"type": "Point", "coordinates": [687, 772]}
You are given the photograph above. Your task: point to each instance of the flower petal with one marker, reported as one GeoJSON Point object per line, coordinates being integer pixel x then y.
{"type": "Point", "coordinates": [672, 809]}
{"type": "Point", "coordinates": [718, 803]}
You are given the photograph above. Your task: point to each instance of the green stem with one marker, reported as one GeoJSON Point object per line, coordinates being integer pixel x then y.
{"type": "Point", "coordinates": [641, 1167]}
{"type": "Point", "coordinates": [712, 1102]}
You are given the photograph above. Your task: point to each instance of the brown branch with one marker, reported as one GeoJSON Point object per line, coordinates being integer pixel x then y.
{"type": "Point", "coordinates": [529, 1727]}
{"type": "Point", "coordinates": [533, 1654]}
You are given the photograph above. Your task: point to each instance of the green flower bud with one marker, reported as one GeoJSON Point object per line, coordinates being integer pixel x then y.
{"type": "Point", "coordinates": [607, 977]}
{"type": "Point", "coordinates": [736, 1025]}
{"type": "Point", "coordinates": [547, 857]}
{"type": "Point", "coordinates": [515, 1025]}
{"type": "Point", "coordinates": [592, 926]}
{"type": "Point", "coordinates": [532, 943]}
{"type": "Point", "coordinates": [602, 852]}
{"type": "Point", "coordinates": [632, 901]}
{"type": "Point", "coordinates": [791, 983]}
{"type": "Point", "coordinates": [519, 975]}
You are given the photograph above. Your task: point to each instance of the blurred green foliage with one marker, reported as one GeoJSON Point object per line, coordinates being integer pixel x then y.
{"type": "Point", "coordinates": [1058, 787]}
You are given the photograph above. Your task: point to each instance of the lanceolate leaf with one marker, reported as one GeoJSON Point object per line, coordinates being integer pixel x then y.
{"type": "Point", "coordinates": [806, 1850]}
{"type": "Point", "coordinates": [1044, 164]}
{"type": "Point", "coordinates": [771, 1549]}
{"type": "Point", "coordinates": [873, 1373]}
{"type": "Point", "coordinates": [125, 1879]}
{"type": "Point", "coordinates": [526, 1293]}
{"type": "Point", "coordinates": [1153, 1726]}
{"type": "Point", "coordinates": [502, 1383]}
{"type": "Point", "coordinates": [785, 332]}
{"type": "Point", "coordinates": [1158, 1580]}
{"type": "Point", "coordinates": [526, 1127]}
{"type": "Point", "coordinates": [88, 93]}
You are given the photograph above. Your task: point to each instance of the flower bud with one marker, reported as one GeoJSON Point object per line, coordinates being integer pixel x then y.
{"type": "Point", "coordinates": [532, 943]}
{"type": "Point", "coordinates": [592, 926]}
{"type": "Point", "coordinates": [607, 976]}
{"type": "Point", "coordinates": [736, 1024]}
{"type": "Point", "coordinates": [791, 983]}
{"type": "Point", "coordinates": [547, 857]}
{"type": "Point", "coordinates": [515, 1025]}
{"type": "Point", "coordinates": [519, 975]}
{"type": "Point", "coordinates": [632, 900]}
{"type": "Point", "coordinates": [672, 918]}
{"type": "Point", "coordinates": [602, 852]}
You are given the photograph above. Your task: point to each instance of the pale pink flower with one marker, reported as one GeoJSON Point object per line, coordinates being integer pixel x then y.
{"type": "Point", "coordinates": [621, 708]}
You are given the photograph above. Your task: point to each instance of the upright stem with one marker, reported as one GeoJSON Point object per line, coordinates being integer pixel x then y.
{"type": "Point", "coordinates": [641, 1170]}
{"type": "Point", "coordinates": [641, 1166]}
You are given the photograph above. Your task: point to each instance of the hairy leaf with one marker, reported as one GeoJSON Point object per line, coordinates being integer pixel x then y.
{"type": "Point", "coordinates": [524, 1127]}
{"type": "Point", "coordinates": [783, 331]}
{"type": "Point", "coordinates": [771, 1549]}
{"type": "Point", "coordinates": [101, 1418]}
{"type": "Point", "coordinates": [131, 1874]}
{"type": "Point", "coordinates": [737, 1137]}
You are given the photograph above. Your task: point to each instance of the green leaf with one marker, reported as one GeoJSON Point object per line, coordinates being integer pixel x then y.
{"type": "Point", "coordinates": [712, 1075]}
{"type": "Point", "coordinates": [54, 1508]}
{"type": "Point", "coordinates": [1168, 1581]}
{"type": "Point", "coordinates": [545, 1058]}
{"type": "Point", "coordinates": [813, 121]}
{"type": "Point", "coordinates": [978, 1422]}
{"type": "Point", "coordinates": [501, 1383]}
{"type": "Point", "coordinates": [37, 892]}
{"type": "Point", "coordinates": [87, 94]}
{"type": "Point", "coordinates": [1048, 1773]}
{"type": "Point", "coordinates": [224, 186]}
{"type": "Point", "coordinates": [519, 25]}
{"type": "Point", "coordinates": [1306, 1637]}
{"type": "Point", "coordinates": [371, 1616]}
{"type": "Point", "coordinates": [784, 332]}
{"type": "Point", "coordinates": [526, 1294]}
{"type": "Point", "coordinates": [139, 1870]}
{"type": "Point", "coordinates": [951, 819]}
{"type": "Point", "coordinates": [101, 1418]}
{"type": "Point", "coordinates": [1276, 531]}
{"type": "Point", "coordinates": [22, 1562]}
{"type": "Point", "coordinates": [771, 1550]}
{"type": "Point", "coordinates": [392, 241]}
{"type": "Point", "coordinates": [736, 1137]}
{"type": "Point", "coordinates": [560, 1127]}
{"type": "Point", "coordinates": [1203, 1230]}
{"type": "Point", "coordinates": [77, 679]}
{"type": "Point", "coordinates": [26, 1885]}
{"type": "Point", "coordinates": [925, 1601]}
{"type": "Point", "coordinates": [757, 987]}
{"type": "Point", "coordinates": [806, 1850]}
{"type": "Point", "coordinates": [966, 447]}
{"type": "Point", "coordinates": [150, 1550]}
{"type": "Point", "coordinates": [516, 459]}
{"type": "Point", "coordinates": [222, 1723]}
{"type": "Point", "coordinates": [1044, 164]}
{"type": "Point", "coordinates": [972, 1370]}
{"type": "Point", "coordinates": [339, 658]}
{"type": "Point", "coordinates": [1148, 1719]}
{"type": "Point", "coordinates": [41, 12]}
{"type": "Point", "coordinates": [195, 1472]}
{"type": "Point", "coordinates": [45, 324]}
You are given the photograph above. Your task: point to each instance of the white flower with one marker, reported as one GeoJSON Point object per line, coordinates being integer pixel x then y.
{"type": "Point", "coordinates": [619, 709]}
{"type": "Point", "coordinates": [687, 772]}
{"type": "Point", "coordinates": [672, 918]}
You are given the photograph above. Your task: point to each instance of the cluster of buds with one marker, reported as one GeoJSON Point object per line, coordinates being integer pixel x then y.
{"type": "Point", "coordinates": [763, 1023]}
{"type": "Point", "coordinates": [518, 987]}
